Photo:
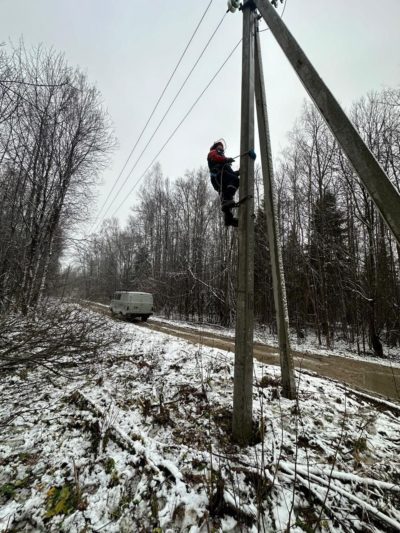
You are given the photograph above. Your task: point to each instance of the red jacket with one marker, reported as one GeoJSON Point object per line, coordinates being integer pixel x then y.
{"type": "Point", "coordinates": [216, 160]}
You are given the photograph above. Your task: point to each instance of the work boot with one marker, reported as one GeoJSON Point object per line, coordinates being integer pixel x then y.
{"type": "Point", "coordinates": [234, 222]}
{"type": "Point", "coordinates": [230, 220]}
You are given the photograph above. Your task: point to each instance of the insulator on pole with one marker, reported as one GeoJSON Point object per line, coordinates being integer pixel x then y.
{"type": "Point", "coordinates": [233, 5]}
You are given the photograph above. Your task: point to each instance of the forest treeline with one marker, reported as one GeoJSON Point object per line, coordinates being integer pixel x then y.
{"type": "Point", "coordinates": [341, 263]}
{"type": "Point", "coordinates": [54, 138]}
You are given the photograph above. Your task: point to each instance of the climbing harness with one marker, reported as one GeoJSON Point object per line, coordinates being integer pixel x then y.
{"type": "Point", "coordinates": [219, 174]}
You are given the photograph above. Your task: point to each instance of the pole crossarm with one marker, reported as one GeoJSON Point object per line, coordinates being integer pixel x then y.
{"type": "Point", "coordinates": [271, 212]}
{"type": "Point", "coordinates": [383, 193]}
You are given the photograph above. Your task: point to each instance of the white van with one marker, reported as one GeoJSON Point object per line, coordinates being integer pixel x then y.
{"type": "Point", "coordinates": [132, 304]}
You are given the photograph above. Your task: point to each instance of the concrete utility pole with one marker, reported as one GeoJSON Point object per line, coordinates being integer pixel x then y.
{"type": "Point", "coordinates": [382, 191]}
{"type": "Point", "coordinates": [243, 379]}
{"type": "Point", "coordinates": [271, 211]}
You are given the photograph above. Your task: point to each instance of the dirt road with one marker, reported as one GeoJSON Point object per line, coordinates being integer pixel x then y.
{"type": "Point", "coordinates": [370, 377]}
{"type": "Point", "coordinates": [364, 375]}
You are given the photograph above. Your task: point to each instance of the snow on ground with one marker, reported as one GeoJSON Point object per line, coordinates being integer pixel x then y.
{"type": "Point", "coordinates": [141, 442]}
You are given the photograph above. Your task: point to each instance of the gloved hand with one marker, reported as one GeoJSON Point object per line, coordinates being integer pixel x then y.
{"type": "Point", "coordinates": [230, 160]}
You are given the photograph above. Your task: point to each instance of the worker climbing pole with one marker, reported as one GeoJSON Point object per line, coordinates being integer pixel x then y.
{"type": "Point", "coordinates": [253, 85]}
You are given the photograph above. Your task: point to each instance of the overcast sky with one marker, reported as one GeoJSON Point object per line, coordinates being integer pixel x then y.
{"type": "Point", "coordinates": [128, 49]}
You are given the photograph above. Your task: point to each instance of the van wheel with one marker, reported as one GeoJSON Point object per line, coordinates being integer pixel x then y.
{"type": "Point", "coordinates": [144, 318]}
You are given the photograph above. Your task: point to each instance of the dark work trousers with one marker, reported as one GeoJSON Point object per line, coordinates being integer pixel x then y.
{"type": "Point", "coordinates": [226, 183]}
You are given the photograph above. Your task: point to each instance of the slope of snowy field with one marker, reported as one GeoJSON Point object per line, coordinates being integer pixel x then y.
{"type": "Point", "coordinates": [140, 441]}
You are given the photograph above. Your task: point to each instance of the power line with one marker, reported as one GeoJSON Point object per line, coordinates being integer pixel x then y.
{"type": "Point", "coordinates": [166, 113]}
{"type": "Point", "coordinates": [178, 126]}
{"type": "Point", "coordinates": [155, 108]}
{"type": "Point", "coordinates": [283, 10]}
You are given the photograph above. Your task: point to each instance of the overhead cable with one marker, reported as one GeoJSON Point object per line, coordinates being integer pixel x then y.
{"type": "Point", "coordinates": [178, 126]}
{"type": "Point", "coordinates": [154, 108]}
{"type": "Point", "coordinates": [166, 113]}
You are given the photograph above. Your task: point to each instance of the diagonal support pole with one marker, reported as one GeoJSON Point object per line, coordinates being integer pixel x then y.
{"type": "Point", "coordinates": [383, 193]}
{"type": "Point", "coordinates": [271, 211]}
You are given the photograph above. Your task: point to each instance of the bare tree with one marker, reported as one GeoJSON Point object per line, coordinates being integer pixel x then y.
{"type": "Point", "coordinates": [55, 137]}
